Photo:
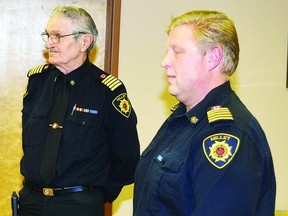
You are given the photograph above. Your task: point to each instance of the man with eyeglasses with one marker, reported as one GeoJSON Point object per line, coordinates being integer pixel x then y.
{"type": "Point", "coordinates": [80, 140]}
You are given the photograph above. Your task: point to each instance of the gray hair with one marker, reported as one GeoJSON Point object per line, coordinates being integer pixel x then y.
{"type": "Point", "coordinates": [82, 20]}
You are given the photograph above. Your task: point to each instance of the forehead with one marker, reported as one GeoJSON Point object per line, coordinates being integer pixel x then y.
{"type": "Point", "coordinates": [59, 23]}
{"type": "Point", "coordinates": [181, 34]}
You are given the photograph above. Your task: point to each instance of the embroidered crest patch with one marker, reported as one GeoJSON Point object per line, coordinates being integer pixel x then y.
{"type": "Point", "coordinates": [220, 149]}
{"type": "Point", "coordinates": [122, 104]}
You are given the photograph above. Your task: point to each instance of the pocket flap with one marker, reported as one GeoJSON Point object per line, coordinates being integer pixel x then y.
{"type": "Point", "coordinates": [170, 160]}
{"type": "Point", "coordinates": [35, 111]}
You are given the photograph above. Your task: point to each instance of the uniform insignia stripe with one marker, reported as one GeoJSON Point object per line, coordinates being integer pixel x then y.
{"type": "Point", "coordinates": [112, 82]}
{"type": "Point", "coordinates": [36, 70]}
{"type": "Point", "coordinates": [108, 79]}
{"type": "Point", "coordinates": [115, 86]}
{"type": "Point", "coordinates": [112, 85]}
{"type": "Point", "coordinates": [25, 93]}
{"type": "Point", "coordinates": [220, 117]}
{"type": "Point", "coordinates": [219, 114]}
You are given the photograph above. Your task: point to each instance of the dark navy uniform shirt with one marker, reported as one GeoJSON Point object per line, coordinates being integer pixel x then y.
{"type": "Point", "coordinates": [99, 145]}
{"type": "Point", "coordinates": [213, 160]}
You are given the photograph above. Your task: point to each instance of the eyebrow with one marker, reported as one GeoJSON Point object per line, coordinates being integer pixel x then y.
{"type": "Point", "coordinates": [53, 32]}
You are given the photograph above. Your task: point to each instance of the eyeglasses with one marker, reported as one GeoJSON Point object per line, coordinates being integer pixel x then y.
{"type": "Point", "coordinates": [55, 38]}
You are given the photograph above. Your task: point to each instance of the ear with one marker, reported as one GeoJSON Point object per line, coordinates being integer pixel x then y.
{"type": "Point", "coordinates": [215, 57]}
{"type": "Point", "coordinates": [87, 40]}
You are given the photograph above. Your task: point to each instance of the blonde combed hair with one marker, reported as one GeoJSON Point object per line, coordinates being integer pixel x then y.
{"type": "Point", "coordinates": [210, 29]}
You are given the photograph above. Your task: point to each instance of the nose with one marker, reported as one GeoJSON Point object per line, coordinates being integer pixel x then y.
{"type": "Point", "coordinates": [165, 62]}
{"type": "Point", "coordinates": [49, 43]}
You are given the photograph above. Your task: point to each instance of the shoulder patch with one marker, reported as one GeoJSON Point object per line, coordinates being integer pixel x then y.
{"type": "Point", "coordinates": [110, 81]}
{"type": "Point", "coordinates": [220, 149]}
{"type": "Point", "coordinates": [38, 69]}
{"type": "Point", "coordinates": [122, 104]}
{"type": "Point", "coordinates": [219, 113]}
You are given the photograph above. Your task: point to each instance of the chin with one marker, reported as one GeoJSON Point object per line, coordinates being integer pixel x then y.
{"type": "Point", "coordinates": [52, 60]}
{"type": "Point", "coordinates": [172, 90]}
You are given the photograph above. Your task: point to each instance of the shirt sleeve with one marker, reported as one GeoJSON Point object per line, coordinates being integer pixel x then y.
{"type": "Point", "coordinates": [123, 144]}
{"type": "Point", "coordinates": [246, 186]}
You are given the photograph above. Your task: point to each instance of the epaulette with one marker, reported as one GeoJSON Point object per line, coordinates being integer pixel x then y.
{"type": "Point", "coordinates": [38, 69]}
{"type": "Point", "coordinates": [110, 81]}
{"type": "Point", "coordinates": [174, 107]}
{"type": "Point", "coordinates": [219, 113]}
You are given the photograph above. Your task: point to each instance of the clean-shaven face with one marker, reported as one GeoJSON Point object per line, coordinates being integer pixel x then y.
{"type": "Point", "coordinates": [185, 65]}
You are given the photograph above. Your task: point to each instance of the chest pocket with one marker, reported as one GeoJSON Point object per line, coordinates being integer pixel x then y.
{"type": "Point", "coordinates": [34, 112]}
{"type": "Point", "coordinates": [165, 177]}
{"type": "Point", "coordinates": [35, 122]}
{"type": "Point", "coordinates": [169, 161]}
{"type": "Point", "coordinates": [84, 133]}
{"type": "Point", "coordinates": [85, 120]}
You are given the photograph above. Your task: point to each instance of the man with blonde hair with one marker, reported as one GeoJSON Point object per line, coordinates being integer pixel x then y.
{"type": "Point", "coordinates": [210, 157]}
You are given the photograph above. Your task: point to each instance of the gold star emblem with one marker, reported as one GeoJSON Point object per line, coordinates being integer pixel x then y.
{"type": "Point", "coordinates": [194, 120]}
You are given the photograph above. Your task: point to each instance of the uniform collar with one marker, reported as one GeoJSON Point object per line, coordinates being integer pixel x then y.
{"type": "Point", "coordinates": [216, 97]}
{"type": "Point", "coordinates": [76, 75]}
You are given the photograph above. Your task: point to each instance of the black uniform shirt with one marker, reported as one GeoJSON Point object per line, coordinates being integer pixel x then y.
{"type": "Point", "coordinates": [212, 160]}
{"type": "Point", "coordinates": [99, 145]}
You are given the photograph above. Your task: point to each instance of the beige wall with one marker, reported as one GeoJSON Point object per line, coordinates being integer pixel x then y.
{"type": "Point", "coordinates": [259, 80]}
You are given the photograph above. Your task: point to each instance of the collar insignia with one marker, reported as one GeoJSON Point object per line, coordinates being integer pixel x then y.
{"type": "Point", "coordinates": [220, 149]}
{"type": "Point", "coordinates": [174, 107]}
{"type": "Point", "coordinates": [122, 104]}
{"type": "Point", "coordinates": [194, 120]}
